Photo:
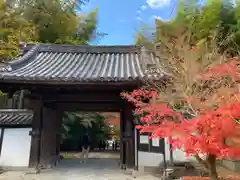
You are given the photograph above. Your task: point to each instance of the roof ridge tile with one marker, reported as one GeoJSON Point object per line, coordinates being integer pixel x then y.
{"type": "Point", "coordinates": [22, 59]}
{"type": "Point", "coordinates": [68, 48]}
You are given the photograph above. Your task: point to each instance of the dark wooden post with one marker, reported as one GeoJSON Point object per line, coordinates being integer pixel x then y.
{"type": "Point", "coordinates": [36, 132]}
{"type": "Point", "coordinates": [59, 125]}
{"type": "Point", "coordinates": [122, 142]}
{"type": "Point", "coordinates": [48, 138]}
{"type": "Point", "coordinates": [10, 101]}
{"type": "Point", "coordinates": [129, 136]}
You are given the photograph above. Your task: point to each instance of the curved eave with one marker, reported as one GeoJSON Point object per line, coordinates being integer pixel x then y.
{"type": "Point", "coordinates": [13, 85]}
{"type": "Point", "coordinates": [39, 80]}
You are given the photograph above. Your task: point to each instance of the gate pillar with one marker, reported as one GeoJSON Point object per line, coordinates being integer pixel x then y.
{"type": "Point", "coordinates": [127, 138]}
{"type": "Point", "coordinates": [48, 138]}
{"type": "Point", "coordinates": [36, 132]}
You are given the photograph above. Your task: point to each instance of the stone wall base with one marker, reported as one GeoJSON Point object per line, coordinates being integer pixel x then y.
{"type": "Point", "coordinates": [232, 165]}
{"type": "Point", "coordinates": [147, 170]}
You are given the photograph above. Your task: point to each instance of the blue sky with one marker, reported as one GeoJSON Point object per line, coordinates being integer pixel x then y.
{"type": "Point", "coordinates": [121, 19]}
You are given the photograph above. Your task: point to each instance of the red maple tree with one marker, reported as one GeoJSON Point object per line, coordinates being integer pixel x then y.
{"type": "Point", "coordinates": [212, 132]}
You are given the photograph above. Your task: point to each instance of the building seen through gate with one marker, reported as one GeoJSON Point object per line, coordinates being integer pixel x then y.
{"type": "Point", "coordinates": [77, 78]}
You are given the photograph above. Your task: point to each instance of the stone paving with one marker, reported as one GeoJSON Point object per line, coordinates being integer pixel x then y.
{"type": "Point", "coordinates": [95, 155]}
{"type": "Point", "coordinates": [73, 169]}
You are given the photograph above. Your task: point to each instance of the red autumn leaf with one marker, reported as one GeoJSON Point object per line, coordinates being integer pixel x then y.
{"type": "Point", "coordinates": [227, 69]}
{"type": "Point", "coordinates": [214, 132]}
{"type": "Point", "coordinates": [205, 134]}
{"type": "Point", "coordinates": [138, 127]}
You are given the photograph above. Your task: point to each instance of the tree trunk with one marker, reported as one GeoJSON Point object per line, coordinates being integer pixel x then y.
{"type": "Point", "coordinates": [171, 156]}
{"type": "Point", "coordinates": [212, 169]}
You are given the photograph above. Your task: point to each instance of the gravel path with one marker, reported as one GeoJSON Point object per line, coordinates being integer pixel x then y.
{"type": "Point", "coordinates": [73, 169]}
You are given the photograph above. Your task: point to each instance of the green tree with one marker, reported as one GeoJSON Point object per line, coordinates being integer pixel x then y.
{"type": "Point", "coordinates": [75, 124]}
{"type": "Point", "coordinates": [13, 29]}
{"type": "Point", "coordinates": [60, 25]}
{"type": "Point", "coordinates": [215, 20]}
{"type": "Point", "coordinates": [143, 39]}
{"type": "Point", "coordinates": [44, 21]}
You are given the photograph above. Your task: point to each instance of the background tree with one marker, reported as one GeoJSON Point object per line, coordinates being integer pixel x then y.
{"type": "Point", "coordinates": [43, 21]}
{"type": "Point", "coordinates": [60, 25]}
{"type": "Point", "coordinates": [144, 39]}
{"type": "Point", "coordinates": [114, 126]}
{"type": "Point", "coordinates": [214, 18]}
{"type": "Point", "coordinates": [13, 29]}
{"type": "Point", "coordinates": [75, 124]}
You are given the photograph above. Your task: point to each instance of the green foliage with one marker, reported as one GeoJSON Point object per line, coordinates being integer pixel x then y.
{"type": "Point", "coordinates": [215, 20]}
{"type": "Point", "coordinates": [60, 25]}
{"type": "Point", "coordinates": [87, 32]}
{"type": "Point", "coordinates": [43, 21]}
{"type": "Point", "coordinates": [13, 29]}
{"type": "Point", "coordinates": [142, 39]}
{"type": "Point", "coordinates": [75, 124]}
{"type": "Point", "coordinates": [208, 19]}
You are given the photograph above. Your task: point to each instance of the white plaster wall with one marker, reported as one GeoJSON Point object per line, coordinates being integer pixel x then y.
{"type": "Point", "coordinates": [149, 159]}
{"type": "Point", "coordinates": [155, 159]}
{"type": "Point", "coordinates": [16, 147]}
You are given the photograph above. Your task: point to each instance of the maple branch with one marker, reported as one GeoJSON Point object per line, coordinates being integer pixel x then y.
{"type": "Point", "coordinates": [200, 160]}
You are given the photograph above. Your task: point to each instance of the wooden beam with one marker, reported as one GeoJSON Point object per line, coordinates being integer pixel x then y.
{"type": "Point", "coordinates": [83, 97]}
{"type": "Point", "coordinates": [13, 85]}
{"type": "Point", "coordinates": [99, 107]}
{"type": "Point", "coordinates": [16, 126]}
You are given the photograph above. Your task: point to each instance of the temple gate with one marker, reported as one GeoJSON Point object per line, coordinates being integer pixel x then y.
{"type": "Point", "coordinates": [68, 78]}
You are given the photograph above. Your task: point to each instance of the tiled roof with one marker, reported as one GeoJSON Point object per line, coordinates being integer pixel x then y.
{"type": "Point", "coordinates": [15, 117]}
{"type": "Point", "coordinates": [80, 63]}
